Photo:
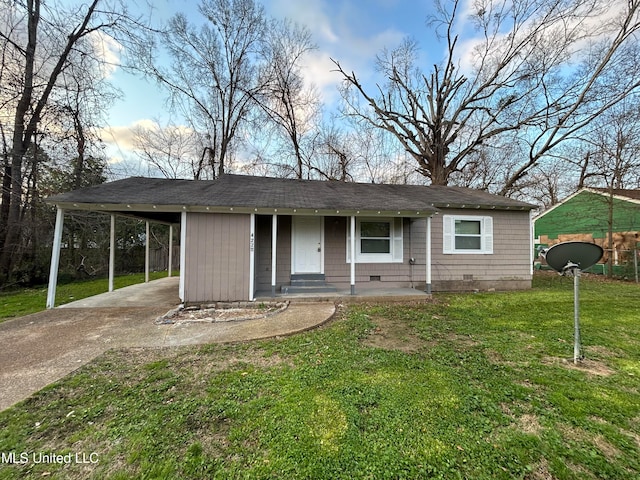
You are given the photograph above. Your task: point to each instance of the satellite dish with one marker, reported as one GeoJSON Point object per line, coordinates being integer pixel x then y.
{"type": "Point", "coordinates": [569, 258]}
{"type": "Point", "coordinates": [570, 255]}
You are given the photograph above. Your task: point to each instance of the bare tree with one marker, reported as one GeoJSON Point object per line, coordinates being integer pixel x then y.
{"type": "Point", "coordinates": [213, 77]}
{"type": "Point", "coordinates": [38, 47]}
{"type": "Point", "coordinates": [290, 104]}
{"type": "Point", "coordinates": [176, 151]}
{"type": "Point", "coordinates": [544, 70]}
{"type": "Point", "coordinates": [612, 145]}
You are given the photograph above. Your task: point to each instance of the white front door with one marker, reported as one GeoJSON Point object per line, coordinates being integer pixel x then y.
{"type": "Point", "coordinates": [307, 245]}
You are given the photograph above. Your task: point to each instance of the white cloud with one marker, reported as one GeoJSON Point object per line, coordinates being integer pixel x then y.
{"type": "Point", "coordinates": [314, 14]}
{"type": "Point", "coordinates": [108, 50]}
{"type": "Point", "coordinates": [333, 29]}
{"type": "Point", "coordinates": [123, 137]}
{"type": "Point", "coordinates": [585, 27]}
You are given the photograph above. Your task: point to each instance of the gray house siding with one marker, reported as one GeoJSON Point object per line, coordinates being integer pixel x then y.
{"type": "Point", "coordinates": [218, 256]}
{"type": "Point", "coordinates": [337, 270]}
{"type": "Point", "coordinates": [509, 266]}
{"type": "Point", "coordinates": [217, 261]}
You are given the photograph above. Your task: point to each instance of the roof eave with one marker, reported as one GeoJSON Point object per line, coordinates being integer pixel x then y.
{"type": "Point", "coordinates": [130, 207]}
{"type": "Point", "coordinates": [476, 206]}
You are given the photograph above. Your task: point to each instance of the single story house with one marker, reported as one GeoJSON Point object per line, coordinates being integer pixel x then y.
{"type": "Point", "coordinates": [588, 215]}
{"type": "Point", "coordinates": [242, 235]}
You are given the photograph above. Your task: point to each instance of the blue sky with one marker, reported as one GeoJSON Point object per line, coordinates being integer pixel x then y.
{"type": "Point", "coordinates": [350, 31]}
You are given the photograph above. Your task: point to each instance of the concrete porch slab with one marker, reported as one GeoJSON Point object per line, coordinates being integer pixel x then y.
{"type": "Point", "coordinates": [379, 294]}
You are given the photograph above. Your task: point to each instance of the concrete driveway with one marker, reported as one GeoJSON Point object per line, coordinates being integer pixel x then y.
{"type": "Point", "coordinates": [41, 348]}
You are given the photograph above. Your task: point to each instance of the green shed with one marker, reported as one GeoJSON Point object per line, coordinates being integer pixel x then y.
{"type": "Point", "coordinates": [586, 216]}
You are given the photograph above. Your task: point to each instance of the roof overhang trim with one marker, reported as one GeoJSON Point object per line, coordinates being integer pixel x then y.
{"type": "Point", "coordinates": [121, 207]}
{"type": "Point", "coordinates": [475, 206]}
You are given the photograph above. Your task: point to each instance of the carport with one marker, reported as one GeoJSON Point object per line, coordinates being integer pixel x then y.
{"type": "Point", "coordinates": [167, 218]}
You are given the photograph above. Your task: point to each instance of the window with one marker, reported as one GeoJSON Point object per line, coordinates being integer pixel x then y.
{"type": "Point", "coordinates": [378, 240]}
{"type": "Point", "coordinates": [375, 237]}
{"type": "Point", "coordinates": [466, 234]}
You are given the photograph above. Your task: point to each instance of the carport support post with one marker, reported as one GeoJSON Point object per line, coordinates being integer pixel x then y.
{"type": "Point", "coordinates": [55, 259]}
{"type": "Point", "coordinates": [183, 254]}
{"type": "Point", "coordinates": [112, 251]}
{"type": "Point", "coordinates": [170, 263]}
{"type": "Point", "coordinates": [428, 287]}
{"type": "Point", "coordinates": [146, 253]}
{"type": "Point", "coordinates": [353, 254]}
{"type": "Point", "coordinates": [274, 243]}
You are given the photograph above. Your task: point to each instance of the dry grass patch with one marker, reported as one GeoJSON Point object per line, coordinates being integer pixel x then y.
{"type": "Point", "coordinates": [391, 334]}
{"type": "Point", "coordinates": [589, 366]}
{"type": "Point", "coordinates": [540, 471]}
{"type": "Point", "coordinates": [579, 435]}
{"type": "Point", "coordinates": [528, 423]}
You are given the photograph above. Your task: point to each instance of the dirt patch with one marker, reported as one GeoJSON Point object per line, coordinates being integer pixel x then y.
{"type": "Point", "coordinates": [205, 361]}
{"type": "Point", "coordinates": [527, 423]}
{"type": "Point", "coordinates": [540, 471]}
{"type": "Point", "coordinates": [222, 312]}
{"type": "Point", "coordinates": [591, 367]}
{"type": "Point", "coordinates": [576, 434]}
{"type": "Point", "coordinates": [393, 335]}
{"type": "Point", "coordinates": [601, 351]}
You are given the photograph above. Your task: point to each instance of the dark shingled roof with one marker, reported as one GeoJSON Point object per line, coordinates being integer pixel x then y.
{"type": "Point", "coordinates": [243, 191]}
{"type": "Point", "coordinates": [620, 192]}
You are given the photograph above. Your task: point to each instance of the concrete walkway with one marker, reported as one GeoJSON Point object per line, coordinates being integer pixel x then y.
{"type": "Point", "coordinates": [42, 348]}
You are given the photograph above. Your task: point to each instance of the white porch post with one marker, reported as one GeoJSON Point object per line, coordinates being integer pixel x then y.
{"type": "Point", "coordinates": [146, 253]}
{"type": "Point", "coordinates": [55, 259]}
{"type": "Point", "coordinates": [274, 244]}
{"type": "Point", "coordinates": [112, 251]}
{"type": "Point", "coordinates": [183, 253]}
{"type": "Point", "coordinates": [252, 255]}
{"type": "Point", "coordinates": [353, 254]}
{"type": "Point", "coordinates": [170, 263]}
{"type": "Point", "coordinates": [428, 262]}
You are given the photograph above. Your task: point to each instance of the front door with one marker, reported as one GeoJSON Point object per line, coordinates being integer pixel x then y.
{"type": "Point", "coordinates": [308, 245]}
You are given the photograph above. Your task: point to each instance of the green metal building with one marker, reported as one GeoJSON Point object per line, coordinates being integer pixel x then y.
{"type": "Point", "coordinates": [586, 216]}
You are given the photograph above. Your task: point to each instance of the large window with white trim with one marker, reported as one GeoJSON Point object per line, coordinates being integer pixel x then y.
{"type": "Point", "coordinates": [378, 240]}
{"type": "Point", "coordinates": [467, 234]}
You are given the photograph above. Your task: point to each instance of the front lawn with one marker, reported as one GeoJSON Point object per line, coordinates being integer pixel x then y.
{"type": "Point", "coordinates": [476, 386]}
{"type": "Point", "coordinates": [31, 300]}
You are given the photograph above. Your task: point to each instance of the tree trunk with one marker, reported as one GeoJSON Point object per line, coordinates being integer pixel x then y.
{"type": "Point", "coordinates": [24, 129]}
{"type": "Point", "coordinates": [19, 146]}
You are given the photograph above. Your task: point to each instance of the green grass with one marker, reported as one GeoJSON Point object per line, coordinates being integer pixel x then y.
{"type": "Point", "coordinates": [474, 386]}
{"type": "Point", "coordinates": [32, 300]}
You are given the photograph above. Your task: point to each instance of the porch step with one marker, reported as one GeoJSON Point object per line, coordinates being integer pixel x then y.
{"type": "Point", "coordinates": [308, 283]}
{"type": "Point", "coordinates": [307, 280]}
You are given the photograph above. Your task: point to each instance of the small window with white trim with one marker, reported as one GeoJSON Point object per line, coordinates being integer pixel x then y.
{"type": "Point", "coordinates": [378, 240]}
{"type": "Point", "coordinates": [467, 234]}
